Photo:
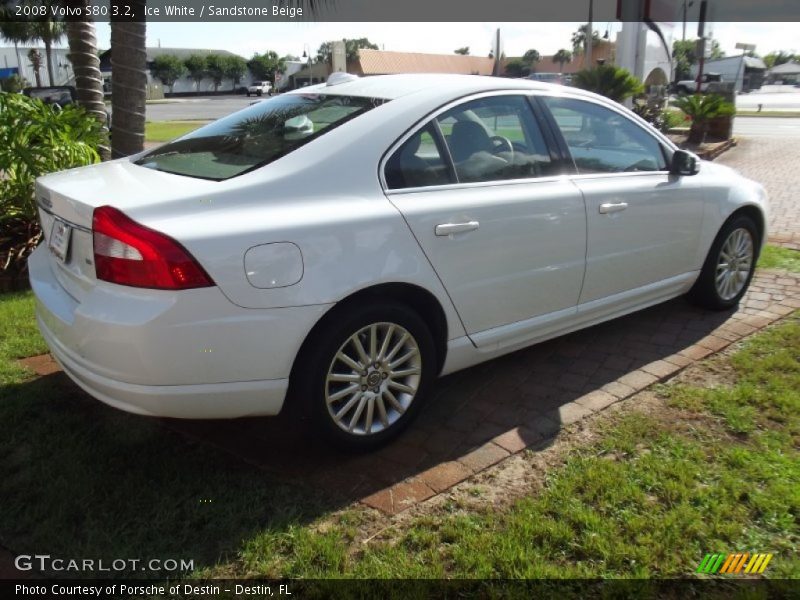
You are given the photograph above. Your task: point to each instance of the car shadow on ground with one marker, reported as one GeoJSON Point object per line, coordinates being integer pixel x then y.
{"type": "Point", "coordinates": [80, 479]}
{"type": "Point", "coordinates": [526, 390]}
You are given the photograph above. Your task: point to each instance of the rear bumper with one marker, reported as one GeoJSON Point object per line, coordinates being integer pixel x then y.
{"type": "Point", "coordinates": [190, 354]}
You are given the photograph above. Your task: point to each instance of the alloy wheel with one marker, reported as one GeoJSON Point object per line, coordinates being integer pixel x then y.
{"type": "Point", "coordinates": [734, 264]}
{"type": "Point", "coordinates": [373, 378]}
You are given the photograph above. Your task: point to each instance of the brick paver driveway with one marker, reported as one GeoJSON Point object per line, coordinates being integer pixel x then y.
{"type": "Point", "coordinates": [773, 162]}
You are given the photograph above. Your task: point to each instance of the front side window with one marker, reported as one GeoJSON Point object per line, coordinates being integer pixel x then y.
{"type": "Point", "coordinates": [495, 138]}
{"type": "Point", "coordinates": [603, 141]}
{"type": "Point", "coordinates": [255, 136]}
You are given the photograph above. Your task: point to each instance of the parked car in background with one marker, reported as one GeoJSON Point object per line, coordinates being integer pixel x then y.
{"type": "Point", "coordinates": [558, 78]}
{"type": "Point", "coordinates": [341, 246]}
{"type": "Point", "coordinates": [259, 88]}
{"type": "Point", "coordinates": [689, 86]}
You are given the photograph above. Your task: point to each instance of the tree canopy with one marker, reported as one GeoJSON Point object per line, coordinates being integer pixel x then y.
{"type": "Point", "coordinates": [196, 67]}
{"type": "Point", "coordinates": [264, 66]}
{"type": "Point", "coordinates": [168, 69]}
{"type": "Point", "coordinates": [464, 51]}
{"type": "Point", "coordinates": [578, 38]}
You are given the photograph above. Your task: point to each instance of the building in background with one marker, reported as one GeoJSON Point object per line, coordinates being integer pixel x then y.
{"type": "Point", "coordinates": [16, 62]}
{"type": "Point", "coordinates": [786, 74]}
{"type": "Point", "coordinates": [645, 49]}
{"type": "Point", "coordinates": [745, 73]}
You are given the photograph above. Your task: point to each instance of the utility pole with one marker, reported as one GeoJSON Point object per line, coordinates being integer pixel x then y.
{"type": "Point", "coordinates": [701, 43]}
{"type": "Point", "coordinates": [686, 5]}
{"type": "Point", "coordinates": [589, 38]}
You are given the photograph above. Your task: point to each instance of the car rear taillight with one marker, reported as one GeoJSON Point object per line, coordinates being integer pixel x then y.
{"type": "Point", "coordinates": [128, 253]}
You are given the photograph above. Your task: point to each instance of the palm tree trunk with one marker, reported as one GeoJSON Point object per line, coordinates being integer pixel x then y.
{"type": "Point", "coordinates": [82, 40]}
{"type": "Point", "coordinates": [48, 52]}
{"type": "Point", "coordinates": [128, 84]}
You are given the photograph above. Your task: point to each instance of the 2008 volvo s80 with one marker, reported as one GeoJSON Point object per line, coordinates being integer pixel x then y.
{"type": "Point", "coordinates": [344, 244]}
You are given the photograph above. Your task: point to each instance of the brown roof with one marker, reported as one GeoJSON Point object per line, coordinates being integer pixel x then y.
{"type": "Point", "coordinates": [381, 62]}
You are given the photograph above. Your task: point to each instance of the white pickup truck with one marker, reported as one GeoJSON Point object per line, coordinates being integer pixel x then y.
{"type": "Point", "coordinates": [689, 86]}
{"type": "Point", "coordinates": [259, 88]}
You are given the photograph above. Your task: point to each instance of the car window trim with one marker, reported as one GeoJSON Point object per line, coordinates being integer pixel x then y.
{"type": "Point", "coordinates": [663, 148]}
{"type": "Point", "coordinates": [431, 116]}
{"type": "Point", "coordinates": [444, 151]}
{"type": "Point", "coordinates": [559, 153]}
{"type": "Point", "coordinates": [476, 184]}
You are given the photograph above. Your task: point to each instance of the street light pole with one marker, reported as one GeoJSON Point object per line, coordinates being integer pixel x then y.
{"type": "Point", "coordinates": [589, 36]}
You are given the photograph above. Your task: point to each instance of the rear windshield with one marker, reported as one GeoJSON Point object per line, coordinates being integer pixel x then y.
{"type": "Point", "coordinates": [255, 136]}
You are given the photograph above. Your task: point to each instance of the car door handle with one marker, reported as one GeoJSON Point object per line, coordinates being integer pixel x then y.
{"type": "Point", "coordinates": [612, 207]}
{"type": "Point", "coordinates": [445, 229]}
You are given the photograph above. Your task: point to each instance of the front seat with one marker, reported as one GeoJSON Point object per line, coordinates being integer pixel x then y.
{"type": "Point", "coordinates": [468, 138]}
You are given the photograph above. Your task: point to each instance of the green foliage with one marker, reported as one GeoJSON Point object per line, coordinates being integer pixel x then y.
{"type": "Point", "coordinates": [683, 57]}
{"type": "Point", "coordinates": [659, 117]}
{"type": "Point", "coordinates": [562, 57]}
{"type": "Point", "coordinates": [462, 51]}
{"type": "Point", "coordinates": [352, 47]}
{"type": "Point", "coordinates": [777, 257]}
{"type": "Point", "coordinates": [773, 59]}
{"type": "Point", "coordinates": [168, 68]}
{"type": "Point", "coordinates": [235, 68]}
{"type": "Point", "coordinates": [701, 108]}
{"type": "Point", "coordinates": [35, 139]}
{"type": "Point", "coordinates": [215, 69]}
{"type": "Point", "coordinates": [516, 68]}
{"type": "Point", "coordinates": [13, 84]}
{"type": "Point", "coordinates": [579, 37]}
{"type": "Point", "coordinates": [264, 66]}
{"type": "Point", "coordinates": [196, 67]}
{"type": "Point", "coordinates": [612, 82]}
{"type": "Point", "coordinates": [531, 57]}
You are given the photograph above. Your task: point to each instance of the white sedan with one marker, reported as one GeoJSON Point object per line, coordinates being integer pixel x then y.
{"type": "Point", "coordinates": [342, 245]}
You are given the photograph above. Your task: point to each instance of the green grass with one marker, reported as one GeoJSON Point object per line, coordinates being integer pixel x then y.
{"type": "Point", "coordinates": [164, 131]}
{"type": "Point", "coordinates": [776, 257]}
{"type": "Point", "coordinates": [768, 113]}
{"type": "Point", "coordinates": [78, 479]}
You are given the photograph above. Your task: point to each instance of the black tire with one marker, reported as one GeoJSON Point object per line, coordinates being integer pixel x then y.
{"type": "Point", "coordinates": [310, 385]}
{"type": "Point", "coordinates": [705, 291]}
{"type": "Point", "coordinates": [248, 94]}
{"type": "Point", "coordinates": [258, 93]}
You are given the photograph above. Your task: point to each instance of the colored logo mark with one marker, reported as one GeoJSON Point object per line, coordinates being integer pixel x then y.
{"type": "Point", "coordinates": [732, 564]}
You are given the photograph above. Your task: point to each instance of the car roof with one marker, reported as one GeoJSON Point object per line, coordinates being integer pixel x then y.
{"type": "Point", "coordinates": [391, 87]}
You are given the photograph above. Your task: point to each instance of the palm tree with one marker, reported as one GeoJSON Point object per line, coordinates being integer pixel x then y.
{"type": "Point", "coordinates": [82, 41]}
{"type": "Point", "coordinates": [128, 83]}
{"type": "Point", "coordinates": [612, 82]}
{"type": "Point", "coordinates": [36, 65]}
{"type": "Point", "coordinates": [49, 32]}
{"type": "Point", "coordinates": [702, 109]}
{"type": "Point", "coordinates": [562, 57]}
{"type": "Point", "coordinates": [578, 38]}
{"type": "Point", "coordinates": [531, 57]}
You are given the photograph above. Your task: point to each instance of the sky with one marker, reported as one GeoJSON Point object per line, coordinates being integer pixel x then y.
{"type": "Point", "coordinates": [547, 38]}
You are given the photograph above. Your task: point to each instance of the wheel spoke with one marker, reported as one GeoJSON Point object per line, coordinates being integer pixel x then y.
{"type": "Point", "coordinates": [373, 343]}
{"type": "Point", "coordinates": [346, 408]}
{"type": "Point", "coordinates": [370, 409]}
{"type": "Point", "coordinates": [362, 354]}
{"type": "Point", "coordinates": [386, 341]}
{"type": "Point", "coordinates": [343, 393]}
{"type": "Point", "coordinates": [398, 346]}
{"type": "Point", "coordinates": [401, 387]}
{"type": "Point", "coordinates": [382, 411]}
{"type": "Point", "coordinates": [403, 359]}
{"type": "Point", "coordinates": [405, 372]}
{"type": "Point", "coordinates": [394, 402]}
{"type": "Point", "coordinates": [349, 361]}
{"type": "Point", "coordinates": [345, 377]}
{"type": "Point", "coordinates": [357, 413]}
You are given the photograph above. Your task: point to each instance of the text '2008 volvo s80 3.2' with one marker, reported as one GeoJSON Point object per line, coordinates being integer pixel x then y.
{"type": "Point", "coordinates": [342, 245]}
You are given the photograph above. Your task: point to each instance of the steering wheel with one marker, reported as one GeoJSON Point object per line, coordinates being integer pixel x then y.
{"type": "Point", "coordinates": [502, 144]}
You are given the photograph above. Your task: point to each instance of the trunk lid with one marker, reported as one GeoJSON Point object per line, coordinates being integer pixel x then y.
{"type": "Point", "coordinates": [70, 197]}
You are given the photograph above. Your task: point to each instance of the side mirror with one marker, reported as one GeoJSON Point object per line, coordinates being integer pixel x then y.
{"type": "Point", "coordinates": [683, 163]}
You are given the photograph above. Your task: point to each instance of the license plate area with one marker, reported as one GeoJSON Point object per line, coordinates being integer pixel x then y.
{"type": "Point", "coordinates": [60, 236]}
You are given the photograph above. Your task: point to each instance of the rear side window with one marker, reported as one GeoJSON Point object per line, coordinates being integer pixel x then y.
{"type": "Point", "coordinates": [603, 141]}
{"type": "Point", "coordinates": [256, 136]}
{"type": "Point", "coordinates": [418, 162]}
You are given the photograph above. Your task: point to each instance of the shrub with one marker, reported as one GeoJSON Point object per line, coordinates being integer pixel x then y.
{"type": "Point", "coordinates": [36, 139]}
{"type": "Point", "coordinates": [14, 84]}
{"type": "Point", "coordinates": [612, 82]}
{"type": "Point", "coordinates": [701, 109]}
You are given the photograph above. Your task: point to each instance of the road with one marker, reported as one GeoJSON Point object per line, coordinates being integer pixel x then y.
{"type": "Point", "coordinates": [767, 127]}
{"type": "Point", "coordinates": [196, 109]}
